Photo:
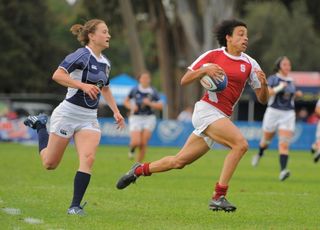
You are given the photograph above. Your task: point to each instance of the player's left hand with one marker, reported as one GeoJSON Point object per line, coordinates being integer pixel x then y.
{"type": "Point", "coordinates": [146, 101]}
{"type": "Point", "coordinates": [119, 120]}
{"type": "Point", "coordinates": [299, 93]}
{"type": "Point", "coordinates": [261, 76]}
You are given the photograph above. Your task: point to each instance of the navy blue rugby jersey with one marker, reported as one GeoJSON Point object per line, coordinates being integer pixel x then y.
{"type": "Point", "coordinates": [284, 100]}
{"type": "Point", "coordinates": [84, 66]}
{"type": "Point", "coordinates": [138, 94]}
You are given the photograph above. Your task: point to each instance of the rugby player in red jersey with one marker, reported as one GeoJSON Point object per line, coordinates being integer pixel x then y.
{"type": "Point", "coordinates": [211, 116]}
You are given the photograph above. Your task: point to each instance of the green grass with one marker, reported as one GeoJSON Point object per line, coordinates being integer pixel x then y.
{"type": "Point", "coordinates": [174, 200]}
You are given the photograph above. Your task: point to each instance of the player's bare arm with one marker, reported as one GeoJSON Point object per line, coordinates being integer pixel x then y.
{"type": "Point", "coordinates": [214, 71]}
{"type": "Point", "coordinates": [126, 103]}
{"type": "Point", "coordinates": [63, 78]}
{"type": "Point", "coordinates": [106, 93]}
{"type": "Point", "coordinates": [153, 104]}
{"type": "Point", "coordinates": [263, 92]}
{"type": "Point", "coordinates": [277, 89]}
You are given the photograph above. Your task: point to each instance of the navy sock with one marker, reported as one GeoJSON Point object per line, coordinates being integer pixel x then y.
{"type": "Point", "coordinates": [261, 151]}
{"type": "Point", "coordinates": [81, 181]}
{"type": "Point", "coordinates": [283, 161]}
{"type": "Point", "coordinates": [43, 136]}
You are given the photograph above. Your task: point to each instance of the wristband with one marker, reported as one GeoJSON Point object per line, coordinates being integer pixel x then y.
{"type": "Point", "coordinates": [278, 88]}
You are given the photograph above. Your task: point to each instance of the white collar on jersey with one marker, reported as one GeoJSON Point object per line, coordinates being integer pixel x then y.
{"type": "Point", "coordinates": [101, 59]}
{"type": "Point", "coordinates": [241, 57]}
{"type": "Point", "coordinates": [284, 78]}
{"type": "Point", "coordinates": [144, 90]}
{"type": "Point", "coordinates": [92, 53]}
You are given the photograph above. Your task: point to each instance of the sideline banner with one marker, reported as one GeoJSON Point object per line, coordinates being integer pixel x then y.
{"type": "Point", "coordinates": [15, 130]}
{"type": "Point", "coordinates": [175, 133]}
{"type": "Point", "coordinates": [167, 133]}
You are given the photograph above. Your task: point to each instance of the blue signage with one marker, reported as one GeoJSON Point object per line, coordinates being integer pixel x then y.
{"type": "Point", "coordinates": [167, 133]}
{"type": "Point", "coordinates": [175, 133]}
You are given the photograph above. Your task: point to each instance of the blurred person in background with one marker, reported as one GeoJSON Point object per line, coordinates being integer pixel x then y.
{"type": "Point", "coordinates": [211, 115]}
{"type": "Point", "coordinates": [85, 73]}
{"type": "Point", "coordinates": [302, 115]}
{"type": "Point", "coordinates": [280, 115]}
{"type": "Point", "coordinates": [142, 102]}
{"type": "Point", "coordinates": [315, 148]}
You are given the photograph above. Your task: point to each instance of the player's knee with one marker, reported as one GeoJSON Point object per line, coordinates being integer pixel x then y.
{"type": "Point", "coordinates": [135, 143]}
{"type": "Point", "coordinates": [283, 147]}
{"type": "Point", "coordinates": [89, 160]}
{"type": "Point", "coordinates": [49, 165]}
{"type": "Point", "coordinates": [242, 146]}
{"type": "Point", "coordinates": [143, 144]}
{"type": "Point", "coordinates": [265, 143]}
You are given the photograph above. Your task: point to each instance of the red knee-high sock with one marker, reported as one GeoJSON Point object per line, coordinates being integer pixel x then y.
{"type": "Point", "coordinates": [143, 170]}
{"type": "Point", "coordinates": [220, 190]}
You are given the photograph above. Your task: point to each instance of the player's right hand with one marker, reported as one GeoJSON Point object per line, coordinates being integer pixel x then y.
{"type": "Point", "coordinates": [119, 120]}
{"type": "Point", "coordinates": [214, 71]}
{"type": "Point", "coordinates": [91, 90]}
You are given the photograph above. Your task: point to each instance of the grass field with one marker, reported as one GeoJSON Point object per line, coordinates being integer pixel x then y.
{"type": "Point", "coordinates": [172, 200]}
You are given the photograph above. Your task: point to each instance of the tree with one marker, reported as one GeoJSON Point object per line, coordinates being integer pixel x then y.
{"type": "Point", "coordinates": [109, 11]}
{"type": "Point", "coordinates": [25, 51]}
{"type": "Point", "coordinates": [165, 52]}
{"type": "Point", "coordinates": [274, 31]}
{"type": "Point", "coordinates": [136, 54]}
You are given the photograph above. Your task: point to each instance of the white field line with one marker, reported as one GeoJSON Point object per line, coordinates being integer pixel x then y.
{"type": "Point", "coordinates": [31, 220]}
{"type": "Point", "coordinates": [12, 211]}
{"type": "Point", "coordinates": [17, 211]}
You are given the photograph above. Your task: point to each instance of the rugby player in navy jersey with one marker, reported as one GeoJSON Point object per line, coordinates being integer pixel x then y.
{"type": "Point", "coordinates": [280, 115]}
{"type": "Point", "coordinates": [142, 101]}
{"type": "Point", "coordinates": [315, 148]}
{"type": "Point", "coordinates": [85, 73]}
{"type": "Point", "coordinates": [211, 116]}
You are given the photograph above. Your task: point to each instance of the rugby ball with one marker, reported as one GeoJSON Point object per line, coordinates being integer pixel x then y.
{"type": "Point", "coordinates": [213, 85]}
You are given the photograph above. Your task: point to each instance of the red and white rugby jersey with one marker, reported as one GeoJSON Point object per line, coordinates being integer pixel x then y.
{"type": "Point", "coordinates": [238, 70]}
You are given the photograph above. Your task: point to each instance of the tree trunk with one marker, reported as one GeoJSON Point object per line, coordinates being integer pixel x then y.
{"type": "Point", "coordinates": [165, 54]}
{"type": "Point", "coordinates": [136, 54]}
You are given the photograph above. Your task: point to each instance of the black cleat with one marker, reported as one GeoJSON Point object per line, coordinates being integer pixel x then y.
{"type": "Point", "coordinates": [316, 157]}
{"type": "Point", "coordinates": [128, 178]}
{"type": "Point", "coordinates": [221, 204]}
{"type": "Point", "coordinates": [32, 121]}
{"type": "Point", "coordinates": [313, 149]}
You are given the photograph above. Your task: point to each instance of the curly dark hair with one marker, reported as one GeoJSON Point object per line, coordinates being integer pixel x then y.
{"type": "Point", "coordinates": [225, 28]}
